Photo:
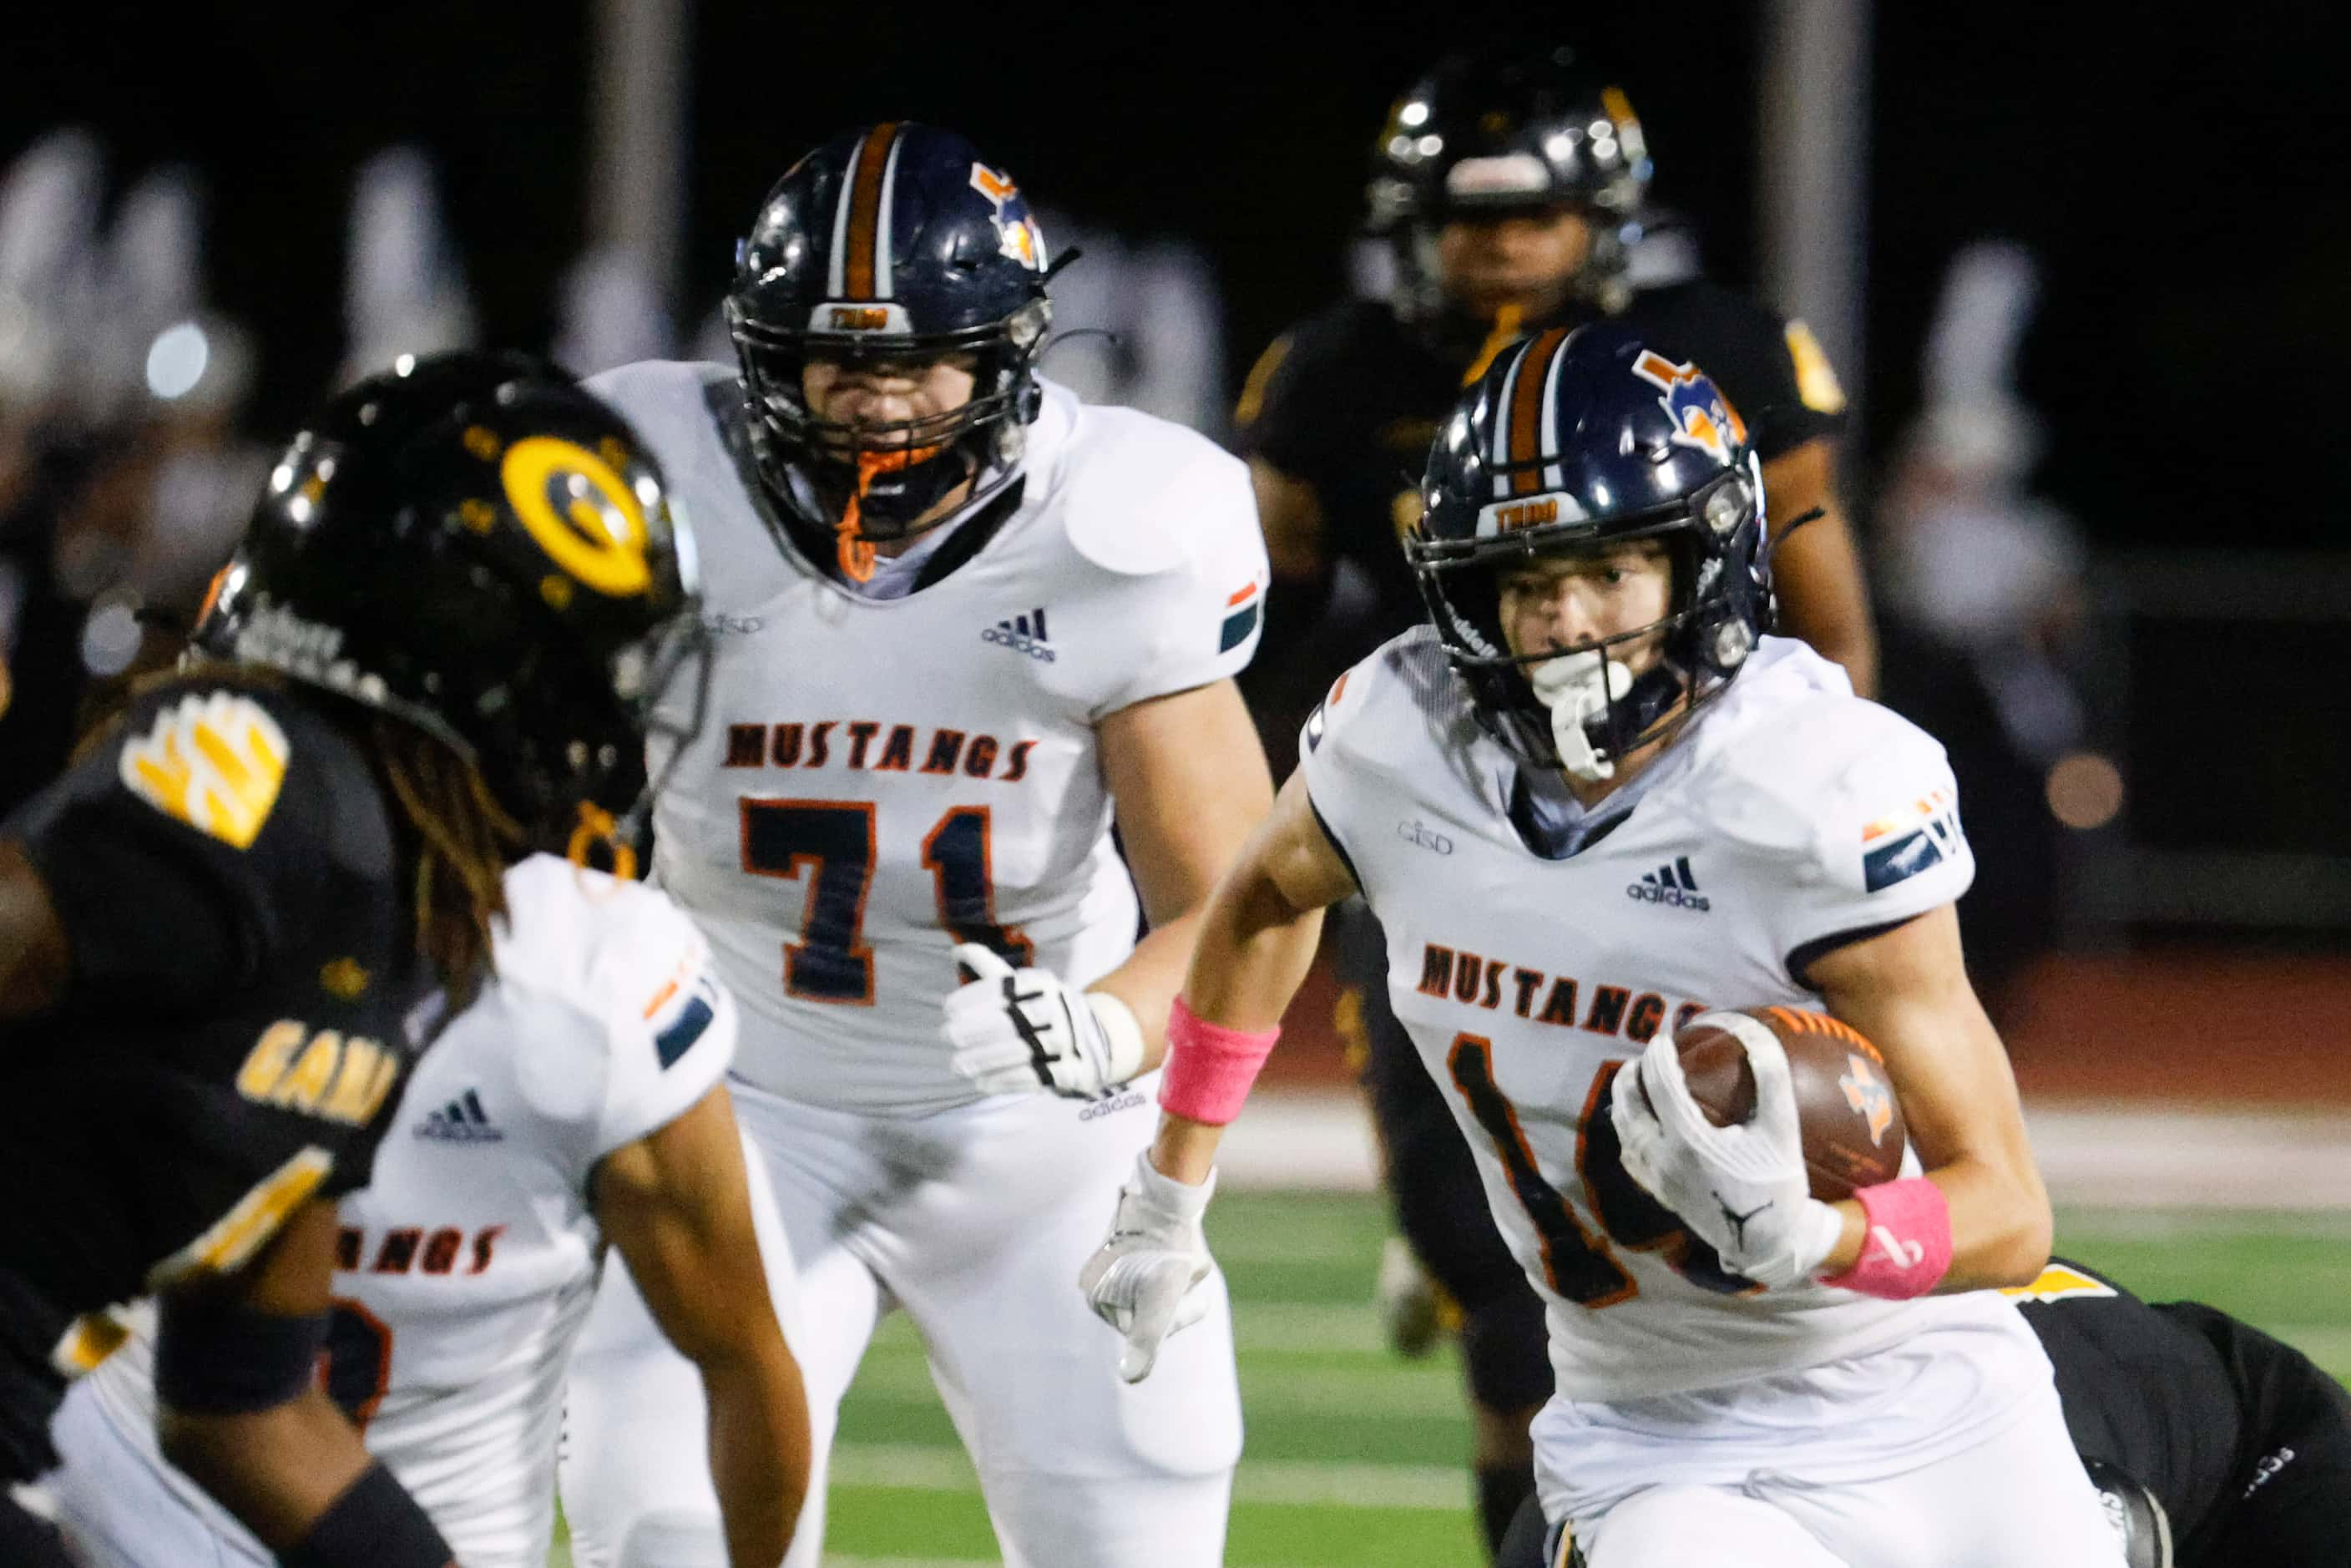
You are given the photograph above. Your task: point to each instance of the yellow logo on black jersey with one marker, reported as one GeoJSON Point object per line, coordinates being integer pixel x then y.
{"type": "Point", "coordinates": [326, 1074]}
{"type": "Point", "coordinates": [2056, 1282]}
{"type": "Point", "coordinates": [214, 762]}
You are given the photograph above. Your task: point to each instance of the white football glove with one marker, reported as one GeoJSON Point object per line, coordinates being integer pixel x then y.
{"type": "Point", "coordinates": [1743, 1188]}
{"type": "Point", "coordinates": [1018, 1031]}
{"type": "Point", "coordinates": [1144, 1280]}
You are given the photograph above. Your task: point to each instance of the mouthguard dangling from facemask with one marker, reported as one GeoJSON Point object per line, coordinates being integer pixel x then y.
{"type": "Point", "coordinates": [1578, 688]}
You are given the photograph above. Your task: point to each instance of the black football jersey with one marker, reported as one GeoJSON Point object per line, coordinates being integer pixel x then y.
{"type": "Point", "coordinates": [2148, 1388]}
{"type": "Point", "coordinates": [246, 999]}
{"type": "Point", "coordinates": [1350, 401]}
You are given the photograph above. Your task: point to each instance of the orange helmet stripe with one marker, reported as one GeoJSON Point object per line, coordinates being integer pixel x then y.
{"type": "Point", "coordinates": [1526, 409]}
{"type": "Point", "coordinates": [865, 212]}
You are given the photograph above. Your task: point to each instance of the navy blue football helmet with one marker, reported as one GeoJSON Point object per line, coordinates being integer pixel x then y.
{"type": "Point", "coordinates": [890, 243]}
{"type": "Point", "coordinates": [1501, 129]}
{"type": "Point", "coordinates": [1576, 439]}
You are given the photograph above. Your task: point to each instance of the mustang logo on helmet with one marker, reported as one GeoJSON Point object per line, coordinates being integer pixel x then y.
{"type": "Point", "coordinates": [1703, 418]}
{"type": "Point", "coordinates": [1018, 239]}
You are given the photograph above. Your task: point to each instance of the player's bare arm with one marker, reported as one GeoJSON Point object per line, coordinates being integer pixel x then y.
{"type": "Point", "coordinates": [1907, 989]}
{"type": "Point", "coordinates": [1190, 783]}
{"type": "Point", "coordinates": [35, 963]}
{"type": "Point", "coordinates": [1257, 937]}
{"type": "Point", "coordinates": [280, 1468]}
{"type": "Point", "coordinates": [677, 1203]}
{"type": "Point", "coordinates": [1289, 510]}
{"type": "Point", "coordinates": [1815, 568]}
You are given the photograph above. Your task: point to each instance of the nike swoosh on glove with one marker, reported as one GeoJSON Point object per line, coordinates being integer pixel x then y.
{"type": "Point", "coordinates": [1016, 1031]}
{"type": "Point", "coordinates": [1144, 1280]}
{"type": "Point", "coordinates": [1743, 1187]}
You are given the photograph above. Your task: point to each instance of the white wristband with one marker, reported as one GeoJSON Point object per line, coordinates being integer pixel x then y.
{"type": "Point", "coordinates": [1120, 1033]}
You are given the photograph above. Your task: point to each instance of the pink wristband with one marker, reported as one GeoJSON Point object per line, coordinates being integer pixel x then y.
{"type": "Point", "coordinates": [1907, 1248]}
{"type": "Point", "coordinates": [1209, 1067]}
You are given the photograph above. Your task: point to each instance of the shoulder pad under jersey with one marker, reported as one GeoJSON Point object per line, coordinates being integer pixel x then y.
{"type": "Point", "coordinates": [1141, 497]}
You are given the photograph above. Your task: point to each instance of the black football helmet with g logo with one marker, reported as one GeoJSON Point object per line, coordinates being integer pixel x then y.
{"type": "Point", "coordinates": [1502, 128]}
{"type": "Point", "coordinates": [1572, 440]}
{"type": "Point", "coordinates": [899, 242]}
{"type": "Point", "coordinates": [477, 545]}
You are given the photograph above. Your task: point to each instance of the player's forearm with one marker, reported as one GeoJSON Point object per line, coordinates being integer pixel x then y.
{"type": "Point", "coordinates": [278, 1470]}
{"type": "Point", "coordinates": [2001, 1229]}
{"type": "Point", "coordinates": [759, 1451]}
{"type": "Point", "coordinates": [1148, 980]}
{"type": "Point", "coordinates": [1184, 1150]}
{"type": "Point", "coordinates": [1253, 950]}
{"type": "Point", "coordinates": [2000, 1225]}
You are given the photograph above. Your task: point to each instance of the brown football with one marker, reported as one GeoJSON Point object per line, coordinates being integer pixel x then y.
{"type": "Point", "coordinates": [1851, 1121]}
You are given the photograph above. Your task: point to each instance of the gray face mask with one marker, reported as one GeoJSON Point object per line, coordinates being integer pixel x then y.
{"type": "Point", "coordinates": [1577, 688]}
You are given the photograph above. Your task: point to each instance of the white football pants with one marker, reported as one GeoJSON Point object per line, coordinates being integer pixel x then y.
{"type": "Point", "coordinates": [977, 1221]}
{"type": "Point", "coordinates": [2019, 1499]}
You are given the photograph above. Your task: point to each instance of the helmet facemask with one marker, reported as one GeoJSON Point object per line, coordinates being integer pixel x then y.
{"type": "Point", "coordinates": [878, 482]}
{"type": "Point", "coordinates": [1583, 710]}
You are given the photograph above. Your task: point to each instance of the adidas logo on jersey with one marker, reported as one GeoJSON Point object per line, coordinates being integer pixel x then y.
{"type": "Point", "coordinates": [1670, 885]}
{"type": "Point", "coordinates": [462, 1121]}
{"type": "Point", "coordinates": [1023, 632]}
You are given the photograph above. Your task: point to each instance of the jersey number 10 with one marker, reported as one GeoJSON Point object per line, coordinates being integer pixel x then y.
{"type": "Point", "coordinates": [1579, 1265]}
{"type": "Point", "coordinates": [831, 843]}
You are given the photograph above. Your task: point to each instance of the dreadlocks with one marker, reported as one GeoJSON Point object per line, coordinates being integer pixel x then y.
{"type": "Point", "coordinates": [465, 841]}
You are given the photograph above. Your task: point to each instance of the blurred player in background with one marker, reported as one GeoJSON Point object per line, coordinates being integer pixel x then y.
{"type": "Point", "coordinates": [227, 930]}
{"type": "Point", "coordinates": [1745, 1373]}
{"type": "Point", "coordinates": [2217, 1443]}
{"type": "Point", "coordinates": [964, 621]}
{"type": "Point", "coordinates": [1507, 183]}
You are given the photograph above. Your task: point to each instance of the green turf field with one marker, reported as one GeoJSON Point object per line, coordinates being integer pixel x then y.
{"type": "Point", "coordinates": [1353, 1457]}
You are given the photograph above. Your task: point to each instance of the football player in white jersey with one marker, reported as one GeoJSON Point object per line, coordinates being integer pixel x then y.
{"type": "Point", "coordinates": [582, 1099]}
{"type": "Point", "coordinates": [1588, 805]}
{"type": "Point", "coordinates": [963, 622]}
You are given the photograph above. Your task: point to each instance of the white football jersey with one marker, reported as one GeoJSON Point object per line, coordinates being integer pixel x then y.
{"type": "Point", "coordinates": [1790, 814]}
{"type": "Point", "coordinates": [468, 1265]}
{"type": "Point", "coordinates": [876, 780]}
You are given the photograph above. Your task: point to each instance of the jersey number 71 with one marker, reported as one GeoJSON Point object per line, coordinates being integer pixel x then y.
{"type": "Point", "coordinates": [831, 843]}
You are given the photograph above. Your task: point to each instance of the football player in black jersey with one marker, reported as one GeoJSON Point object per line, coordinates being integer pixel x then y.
{"type": "Point", "coordinates": [227, 930]}
{"type": "Point", "coordinates": [2214, 1445]}
{"type": "Point", "coordinates": [2241, 1441]}
{"type": "Point", "coordinates": [1508, 182]}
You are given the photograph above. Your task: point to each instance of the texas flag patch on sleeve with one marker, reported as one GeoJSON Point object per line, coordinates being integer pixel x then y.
{"type": "Point", "coordinates": [1240, 616]}
{"type": "Point", "coordinates": [680, 1014]}
{"type": "Point", "coordinates": [1918, 836]}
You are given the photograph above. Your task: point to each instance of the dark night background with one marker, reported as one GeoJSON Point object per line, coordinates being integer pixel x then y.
{"type": "Point", "coordinates": [2184, 184]}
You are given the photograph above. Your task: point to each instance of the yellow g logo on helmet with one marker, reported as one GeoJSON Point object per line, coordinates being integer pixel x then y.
{"type": "Point", "coordinates": [581, 512]}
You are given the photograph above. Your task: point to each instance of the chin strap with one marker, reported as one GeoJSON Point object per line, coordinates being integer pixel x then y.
{"type": "Point", "coordinates": [856, 551]}
{"type": "Point", "coordinates": [596, 827]}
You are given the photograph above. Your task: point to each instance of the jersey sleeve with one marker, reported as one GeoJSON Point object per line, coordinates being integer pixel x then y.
{"type": "Point", "coordinates": [1199, 620]}
{"type": "Point", "coordinates": [1771, 369]}
{"type": "Point", "coordinates": [671, 1021]}
{"type": "Point", "coordinates": [1334, 748]}
{"type": "Point", "coordinates": [180, 853]}
{"type": "Point", "coordinates": [1884, 844]}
